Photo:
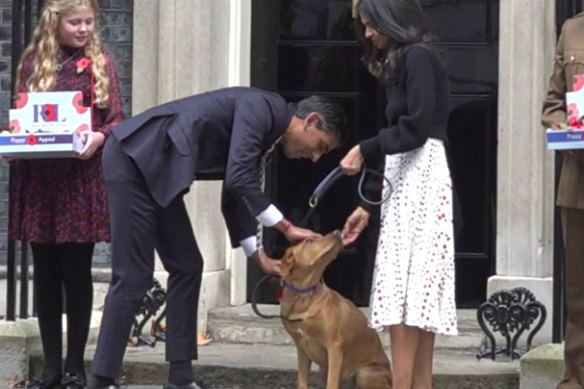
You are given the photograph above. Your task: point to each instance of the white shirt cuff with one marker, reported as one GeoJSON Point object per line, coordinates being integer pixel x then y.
{"type": "Point", "coordinates": [249, 245]}
{"type": "Point", "coordinates": [270, 216]}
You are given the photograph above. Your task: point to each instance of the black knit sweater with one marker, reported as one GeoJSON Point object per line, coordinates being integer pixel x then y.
{"type": "Point", "coordinates": [417, 109]}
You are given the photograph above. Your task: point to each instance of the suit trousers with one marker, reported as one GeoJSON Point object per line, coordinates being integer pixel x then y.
{"type": "Point", "coordinates": [139, 225]}
{"type": "Point", "coordinates": [573, 233]}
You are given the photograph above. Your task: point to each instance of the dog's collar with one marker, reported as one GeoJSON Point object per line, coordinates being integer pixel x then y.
{"type": "Point", "coordinates": [298, 290]}
{"type": "Point", "coordinates": [291, 287]}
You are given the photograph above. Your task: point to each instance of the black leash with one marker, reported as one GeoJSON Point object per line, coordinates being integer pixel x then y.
{"type": "Point", "coordinates": [313, 202]}
{"type": "Point", "coordinates": [332, 178]}
{"type": "Point", "coordinates": [254, 297]}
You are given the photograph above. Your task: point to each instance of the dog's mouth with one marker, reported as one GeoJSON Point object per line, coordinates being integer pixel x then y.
{"type": "Point", "coordinates": [332, 247]}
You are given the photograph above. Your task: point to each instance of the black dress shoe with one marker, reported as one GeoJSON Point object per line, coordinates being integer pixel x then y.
{"type": "Point", "coordinates": [192, 385]}
{"type": "Point", "coordinates": [44, 382]}
{"type": "Point", "coordinates": [73, 380]}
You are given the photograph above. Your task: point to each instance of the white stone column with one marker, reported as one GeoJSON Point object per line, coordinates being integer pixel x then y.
{"type": "Point", "coordinates": [525, 171]}
{"type": "Point", "coordinates": [181, 48]}
{"type": "Point", "coordinates": [239, 75]}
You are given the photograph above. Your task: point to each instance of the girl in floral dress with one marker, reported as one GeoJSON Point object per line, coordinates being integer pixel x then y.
{"type": "Point", "coordinates": [413, 282]}
{"type": "Point", "coordinates": [60, 205]}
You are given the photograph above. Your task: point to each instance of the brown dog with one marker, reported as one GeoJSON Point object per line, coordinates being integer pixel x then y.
{"type": "Point", "coordinates": [327, 328]}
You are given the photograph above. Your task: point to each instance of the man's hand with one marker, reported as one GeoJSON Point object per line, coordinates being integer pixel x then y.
{"type": "Point", "coordinates": [354, 225]}
{"type": "Point", "coordinates": [267, 264]}
{"type": "Point", "coordinates": [352, 163]}
{"type": "Point", "coordinates": [296, 234]}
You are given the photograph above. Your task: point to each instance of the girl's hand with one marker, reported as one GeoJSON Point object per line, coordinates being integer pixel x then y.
{"type": "Point", "coordinates": [354, 225]}
{"type": "Point", "coordinates": [93, 141]}
{"type": "Point", "coordinates": [352, 163]}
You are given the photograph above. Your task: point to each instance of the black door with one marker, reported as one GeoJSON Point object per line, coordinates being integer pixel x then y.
{"type": "Point", "coordinates": [304, 47]}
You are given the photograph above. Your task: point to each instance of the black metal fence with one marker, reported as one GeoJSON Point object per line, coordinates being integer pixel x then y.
{"type": "Point", "coordinates": [23, 15]}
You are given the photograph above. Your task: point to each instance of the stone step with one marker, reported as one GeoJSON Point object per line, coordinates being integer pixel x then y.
{"type": "Point", "coordinates": [542, 367]}
{"type": "Point", "coordinates": [262, 366]}
{"type": "Point", "coordinates": [248, 352]}
{"type": "Point", "coordinates": [242, 325]}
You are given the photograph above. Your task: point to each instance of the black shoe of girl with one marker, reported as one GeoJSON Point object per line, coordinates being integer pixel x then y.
{"type": "Point", "coordinates": [44, 382]}
{"type": "Point", "coordinates": [73, 380]}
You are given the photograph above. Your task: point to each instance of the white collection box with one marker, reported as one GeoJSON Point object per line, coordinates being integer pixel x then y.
{"type": "Point", "coordinates": [46, 125]}
{"type": "Point", "coordinates": [565, 139]}
{"type": "Point", "coordinates": [570, 136]}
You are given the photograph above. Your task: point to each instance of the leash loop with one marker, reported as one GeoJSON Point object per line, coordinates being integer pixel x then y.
{"type": "Point", "coordinates": [254, 298]}
{"type": "Point", "coordinates": [362, 181]}
{"type": "Point", "coordinates": [334, 176]}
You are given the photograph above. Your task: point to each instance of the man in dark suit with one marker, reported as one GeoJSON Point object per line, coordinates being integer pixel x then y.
{"type": "Point", "coordinates": [149, 163]}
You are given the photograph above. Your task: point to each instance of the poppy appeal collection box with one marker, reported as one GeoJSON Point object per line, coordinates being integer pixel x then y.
{"type": "Point", "coordinates": [571, 134]}
{"type": "Point", "coordinates": [46, 125]}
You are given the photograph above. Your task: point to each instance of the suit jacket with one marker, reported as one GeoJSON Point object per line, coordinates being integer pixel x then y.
{"type": "Point", "coordinates": [215, 135]}
{"type": "Point", "coordinates": [569, 60]}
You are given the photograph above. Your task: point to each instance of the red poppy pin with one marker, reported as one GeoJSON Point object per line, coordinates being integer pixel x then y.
{"type": "Point", "coordinates": [32, 140]}
{"type": "Point", "coordinates": [82, 64]}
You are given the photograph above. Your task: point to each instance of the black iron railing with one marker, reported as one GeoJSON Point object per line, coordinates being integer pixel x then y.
{"type": "Point", "coordinates": [23, 12]}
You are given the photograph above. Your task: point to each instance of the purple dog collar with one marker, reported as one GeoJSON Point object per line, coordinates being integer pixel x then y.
{"type": "Point", "coordinates": [297, 290]}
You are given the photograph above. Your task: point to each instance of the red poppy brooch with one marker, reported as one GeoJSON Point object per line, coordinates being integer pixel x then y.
{"type": "Point", "coordinates": [82, 64]}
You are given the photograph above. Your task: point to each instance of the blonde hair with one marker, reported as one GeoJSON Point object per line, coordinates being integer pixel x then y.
{"type": "Point", "coordinates": [45, 47]}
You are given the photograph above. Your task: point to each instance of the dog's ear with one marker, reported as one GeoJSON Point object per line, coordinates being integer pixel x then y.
{"type": "Point", "coordinates": [287, 263]}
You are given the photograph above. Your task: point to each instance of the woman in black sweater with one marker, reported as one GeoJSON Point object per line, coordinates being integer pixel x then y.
{"type": "Point", "coordinates": [413, 283]}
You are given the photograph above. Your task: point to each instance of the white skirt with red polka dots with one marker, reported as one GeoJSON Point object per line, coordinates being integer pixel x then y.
{"type": "Point", "coordinates": [413, 280]}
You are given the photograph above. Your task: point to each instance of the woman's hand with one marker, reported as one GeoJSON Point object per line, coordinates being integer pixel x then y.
{"type": "Point", "coordinates": [352, 163]}
{"type": "Point", "coordinates": [267, 264]}
{"type": "Point", "coordinates": [354, 225]}
{"type": "Point", "coordinates": [93, 141]}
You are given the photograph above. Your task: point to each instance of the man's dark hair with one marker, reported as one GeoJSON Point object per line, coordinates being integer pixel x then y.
{"type": "Point", "coordinates": [332, 117]}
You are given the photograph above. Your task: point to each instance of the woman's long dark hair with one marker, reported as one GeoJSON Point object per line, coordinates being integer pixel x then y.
{"type": "Point", "coordinates": [404, 23]}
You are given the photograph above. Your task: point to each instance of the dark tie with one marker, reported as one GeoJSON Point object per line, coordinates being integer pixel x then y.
{"type": "Point", "coordinates": [263, 162]}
